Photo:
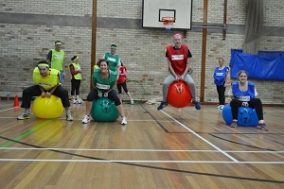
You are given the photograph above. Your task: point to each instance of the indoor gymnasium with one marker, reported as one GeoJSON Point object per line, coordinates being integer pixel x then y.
{"type": "Point", "coordinates": [141, 94]}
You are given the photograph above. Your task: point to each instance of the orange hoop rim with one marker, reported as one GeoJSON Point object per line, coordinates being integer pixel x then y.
{"type": "Point", "coordinates": [168, 20]}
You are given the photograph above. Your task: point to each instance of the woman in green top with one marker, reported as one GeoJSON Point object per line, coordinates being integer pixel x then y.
{"type": "Point", "coordinates": [103, 82]}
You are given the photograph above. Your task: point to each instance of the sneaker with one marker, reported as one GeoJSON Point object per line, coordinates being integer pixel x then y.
{"type": "Point", "coordinates": [131, 101]}
{"type": "Point", "coordinates": [162, 105]}
{"type": "Point", "coordinates": [124, 121]}
{"type": "Point", "coordinates": [262, 126]}
{"type": "Point", "coordinates": [234, 124]}
{"type": "Point", "coordinates": [79, 100]}
{"type": "Point", "coordinates": [69, 117]}
{"type": "Point", "coordinates": [86, 119]}
{"type": "Point", "coordinates": [74, 101]}
{"type": "Point", "coordinates": [197, 105]}
{"type": "Point", "coordinates": [23, 116]}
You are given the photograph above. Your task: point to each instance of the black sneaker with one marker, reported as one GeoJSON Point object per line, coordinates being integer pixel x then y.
{"type": "Point", "coordinates": [197, 105]}
{"type": "Point", "coordinates": [162, 105]}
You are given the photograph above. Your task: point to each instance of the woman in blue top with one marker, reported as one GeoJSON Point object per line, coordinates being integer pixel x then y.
{"type": "Point", "coordinates": [244, 94]}
{"type": "Point", "coordinates": [221, 79]}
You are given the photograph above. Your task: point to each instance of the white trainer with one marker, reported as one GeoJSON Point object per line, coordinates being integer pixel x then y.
{"type": "Point", "coordinates": [23, 116]}
{"type": "Point", "coordinates": [74, 101]}
{"type": "Point", "coordinates": [79, 100]}
{"type": "Point", "coordinates": [86, 119]}
{"type": "Point", "coordinates": [124, 121]}
{"type": "Point", "coordinates": [69, 117]}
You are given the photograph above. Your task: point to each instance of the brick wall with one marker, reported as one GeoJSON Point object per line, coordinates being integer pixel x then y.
{"type": "Point", "coordinates": [50, 7]}
{"type": "Point", "coordinates": [142, 50]}
{"type": "Point", "coordinates": [23, 45]}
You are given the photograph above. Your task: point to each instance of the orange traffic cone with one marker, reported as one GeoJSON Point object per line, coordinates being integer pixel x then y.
{"type": "Point", "coordinates": [16, 101]}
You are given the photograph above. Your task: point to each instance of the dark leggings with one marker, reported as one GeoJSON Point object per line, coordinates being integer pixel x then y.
{"type": "Point", "coordinates": [34, 90]}
{"type": "Point", "coordinates": [221, 94]}
{"type": "Point", "coordinates": [75, 87]}
{"type": "Point", "coordinates": [123, 85]}
{"type": "Point", "coordinates": [112, 95]}
{"type": "Point", "coordinates": [253, 103]}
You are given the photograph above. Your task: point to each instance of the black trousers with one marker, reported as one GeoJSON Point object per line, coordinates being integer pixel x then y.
{"type": "Point", "coordinates": [34, 90]}
{"type": "Point", "coordinates": [112, 95]}
{"type": "Point", "coordinates": [122, 85]}
{"type": "Point", "coordinates": [253, 103]}
{"type": "Point", "coordinates": [221, 94]}
{"type": "Point", "coordinates": [75, 87]}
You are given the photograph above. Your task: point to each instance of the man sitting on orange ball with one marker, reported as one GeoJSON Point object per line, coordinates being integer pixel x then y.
{"type": "Point", "coordinates": [177, 58]}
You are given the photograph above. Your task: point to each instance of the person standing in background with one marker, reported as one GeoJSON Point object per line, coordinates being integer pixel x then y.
{"type": "Point", "coordinates": [55, 58]}
{"type": "Point", "coordinates": [221, 78]}
{"type": "Point", "coordinates": [121, 82]}
{"type": "Point", "coordinates": [113, 59]}
{"type": "Point", "coordinates": [76, 77]}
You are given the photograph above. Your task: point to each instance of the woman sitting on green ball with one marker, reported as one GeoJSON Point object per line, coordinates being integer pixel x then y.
{"type": "Point", "coordinates": [103, 82]}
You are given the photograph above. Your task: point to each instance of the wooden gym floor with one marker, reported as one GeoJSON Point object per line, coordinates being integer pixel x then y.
{"type": "Point", "coordinates": [169, 149]}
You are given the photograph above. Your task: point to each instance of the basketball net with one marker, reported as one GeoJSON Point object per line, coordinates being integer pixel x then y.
{"type": "Point", "coordinates": [168, 23]}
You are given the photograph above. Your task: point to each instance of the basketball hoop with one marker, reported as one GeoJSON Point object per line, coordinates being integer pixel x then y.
{"type": "Point", "coordinates": [168, 23]}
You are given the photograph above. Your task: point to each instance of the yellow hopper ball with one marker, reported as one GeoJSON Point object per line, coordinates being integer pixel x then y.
{"type": "Point", "coordinates": [47, 107]}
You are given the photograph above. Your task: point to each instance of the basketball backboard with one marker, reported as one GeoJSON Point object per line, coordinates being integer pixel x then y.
{"type": "Point", "coordinates": [155, 10]}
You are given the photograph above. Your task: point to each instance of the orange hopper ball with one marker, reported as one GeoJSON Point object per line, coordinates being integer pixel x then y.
{"type": "Point", "coordinates": [179, 94]}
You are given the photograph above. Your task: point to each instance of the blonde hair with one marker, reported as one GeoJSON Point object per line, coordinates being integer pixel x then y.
{"type": "Point", "coordinates": [242, 71]}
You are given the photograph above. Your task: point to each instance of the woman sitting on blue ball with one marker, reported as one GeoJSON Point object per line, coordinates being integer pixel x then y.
{"type": "Point", "coordinates": [103, 82]}
{"type": "Point", "coordinates": [244, 94]}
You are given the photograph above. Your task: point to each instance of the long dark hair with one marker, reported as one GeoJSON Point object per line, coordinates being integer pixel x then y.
{"type": "Point", "coordinates": [100, 61]}
{"type": "Point", "coordinates": [74, 57]}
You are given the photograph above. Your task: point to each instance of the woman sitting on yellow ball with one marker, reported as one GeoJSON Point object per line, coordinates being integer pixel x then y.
{"type": "Point", "coordinates": [46, 84]}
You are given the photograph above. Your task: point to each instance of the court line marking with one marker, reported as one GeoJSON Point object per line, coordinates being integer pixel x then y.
{"type": "Point", "coordinates": [7, 117]}
{"type": "Point", "coordinates": [6, 105]}
{"type": "Point", "coordinates": [142, 161]}
{"type": "Point", "coordinates": [139, 150]}
{"type": "Point", "coordinates": [200, 137]}
{"type": "Point", "coordinates": [129, 120]}
{"type": "Point", "coordinates": [9, 142]}
{"type": "Point", "coordinates": [6, 109]}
